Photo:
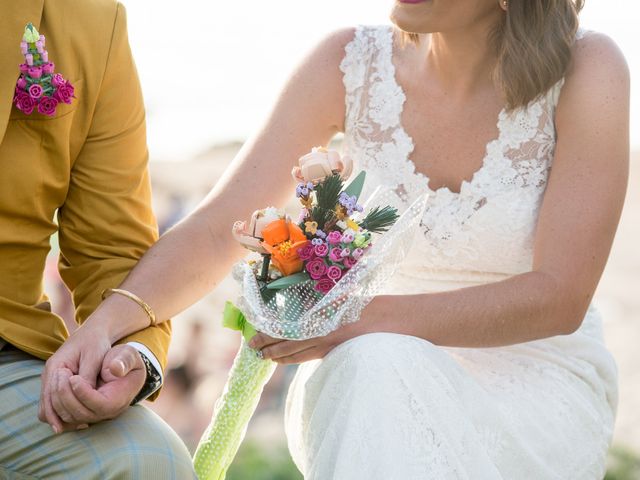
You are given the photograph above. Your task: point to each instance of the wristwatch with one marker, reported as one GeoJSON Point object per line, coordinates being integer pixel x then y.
{"type": "Point", "coordinates": [151, 384]}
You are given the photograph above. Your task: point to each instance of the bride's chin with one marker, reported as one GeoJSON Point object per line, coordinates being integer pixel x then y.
{"type": "Point", "coordinates": [412, 17]}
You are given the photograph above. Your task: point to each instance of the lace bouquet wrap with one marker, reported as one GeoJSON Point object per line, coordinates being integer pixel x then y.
{"type": "Point", "coordinates": [317, 276]}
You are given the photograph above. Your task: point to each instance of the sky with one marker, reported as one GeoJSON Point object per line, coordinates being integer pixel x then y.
{"type": "Point", "coordinates": [211, 69]}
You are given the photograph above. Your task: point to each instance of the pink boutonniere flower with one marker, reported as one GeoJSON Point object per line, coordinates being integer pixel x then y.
{"type": "Point", "coordinates": [39, 87]}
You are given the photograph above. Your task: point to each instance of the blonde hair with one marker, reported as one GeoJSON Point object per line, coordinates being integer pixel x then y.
{"type": "Point", "coordinates": [533, 46]}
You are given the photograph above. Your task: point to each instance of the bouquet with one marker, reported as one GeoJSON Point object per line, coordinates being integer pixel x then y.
{"type": "Point", "coordinates": [310, 277]}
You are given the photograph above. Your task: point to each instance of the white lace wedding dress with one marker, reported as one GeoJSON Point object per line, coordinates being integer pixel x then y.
{"type": "Point", "coordinates": [386, 406]}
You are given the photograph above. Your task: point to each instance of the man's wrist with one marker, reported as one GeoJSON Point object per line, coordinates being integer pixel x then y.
{"type": "Point", "coordinates": [154, 375]}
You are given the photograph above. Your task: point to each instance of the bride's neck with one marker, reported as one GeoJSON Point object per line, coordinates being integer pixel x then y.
{"type": "Point", "coordinates": [461, 61]}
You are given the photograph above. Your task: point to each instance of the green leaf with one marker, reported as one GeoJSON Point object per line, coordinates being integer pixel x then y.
{"type": "Point", "coordinates": [287, 281]}
{"type": "Point", "coordinates": [355, 187]}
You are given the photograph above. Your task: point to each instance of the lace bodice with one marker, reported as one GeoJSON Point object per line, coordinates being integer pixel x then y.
{"type": "Point", "coordinates": [485, 230]}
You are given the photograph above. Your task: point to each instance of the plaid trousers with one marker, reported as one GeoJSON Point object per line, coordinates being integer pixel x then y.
{"type": "Point", "coordinates": [136, 445]}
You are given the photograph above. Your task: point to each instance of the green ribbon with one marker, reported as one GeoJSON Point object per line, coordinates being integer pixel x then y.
{"type": "Point", "coordinates": [234, 319]}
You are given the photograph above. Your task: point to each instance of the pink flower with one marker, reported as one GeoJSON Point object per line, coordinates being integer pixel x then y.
{"type": "Point", "coordinates": [47, 106]}
{"type": "Point", "coordinates": [35, 72]}
{"type": "Point", "coordinates": [22, 83]}
{"type": "Point", "coordinates": [348, 236]}
{"type": "Point", "coordinates": [29, 58]}
{"type": "Point", "coordinates": [39, 46]}
{"type": "Point", "coordinates": [58, 80]}
{"type": "Point", "coordinates": [345, 252]}
{"type": "Point", "coordinates": [24, 102]}
{"type": "Point", "coordinates": [306, 252]}
{"type": "Point", "coordinates": [323, 286]}
{"type": "Point", "coordinates": [35, 91]}
{"type": "Point", "coordinates": [334, 237]}
{"type": "Point", "coordinates": [24, 68]}
{"type": "Point", "coordinates": [334, 273]}
{"type": "Point", "coordinates": [45, 56]}
{"type": "Point", "coordinates": [64, 93]}
{"type": "Point", "coordinates": [349, 262]}
{"type": "Point", "coordinates": [321, 250]}
{"type": "Point", "coordinates": [334, 255]}
{"type": "Point", "coordinates": [24, 48]}
{"type": "Point", "coordinates": [42, 39]}
{"type": "Point", "coordinates": [48, 68]}
{"type": "Point", "coordinates": [357, 253]}
{"type": "Point", "coordinates": [316, 268]}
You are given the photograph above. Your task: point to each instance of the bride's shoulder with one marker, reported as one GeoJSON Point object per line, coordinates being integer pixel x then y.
{"type": "Point", "coordinates": [595, 56]}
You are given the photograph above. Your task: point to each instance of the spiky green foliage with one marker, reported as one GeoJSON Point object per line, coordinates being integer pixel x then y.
{"type": "Point", "coordinates": [379, 219]}
{"type": "Point", "coordinates": [328, 192]}
{"type": "Point", "coordinates": [323, 216]}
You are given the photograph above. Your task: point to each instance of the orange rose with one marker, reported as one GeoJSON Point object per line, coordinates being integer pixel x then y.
{"type": "Point", "coordinates": [282, 239]}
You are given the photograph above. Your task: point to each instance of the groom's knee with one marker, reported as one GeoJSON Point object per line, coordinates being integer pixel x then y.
{"type": "Point", "coordinates": [148, 448]}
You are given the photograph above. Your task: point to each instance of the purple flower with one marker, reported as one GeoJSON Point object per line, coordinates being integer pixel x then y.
{"type": "Point", "coordinates": [321, 250]}
{"type": "Point", "coordinates": [306, 252]}
{"type": "Point", "coordinates": [35, 72]}
{"type": "Point", "coordinates": [349, 262]}
{"type": "Point", "coordinates": [35, 91]}
{"type": "Point", "coordinates": [323, 286]}
{"type": "Point", "coordinates": [24, 102]}
{"type": "Point", "coordinates": [316, 268]}
{"type": "Point", "coordinates": [58, 80]}
{"type": "Point", "coordinates": [321, 234]}
{"type": "Point", "coordinates": [22, 83]}
{"type": "Point", "coordinates": [334, 255]}
{"type": "Point", "coordinates": [334, 273]}
{"type": "Point", "coordinates": [48, 68]}
{"type": "Point", "coordinates": [357, 253]}
{"type": "Point", "coordinates": [47, 106]}
{"type": "Point", "coordinates": [64, 93]}
{"type": "Point", "coordinates": [334, 237]}
{"type": "Point", "coordinates": [317, 241]}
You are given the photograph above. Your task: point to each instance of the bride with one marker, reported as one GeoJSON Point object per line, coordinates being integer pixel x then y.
{"type": "Point", "coordinates": [484, 358]}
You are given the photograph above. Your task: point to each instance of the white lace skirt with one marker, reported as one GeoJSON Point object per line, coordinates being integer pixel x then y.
{"type": "Point", "coordinates": [388, 406]}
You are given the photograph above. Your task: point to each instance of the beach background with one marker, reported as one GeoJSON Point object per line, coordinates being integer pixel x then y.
{"type": "Point", "coordinates": [210, 72]}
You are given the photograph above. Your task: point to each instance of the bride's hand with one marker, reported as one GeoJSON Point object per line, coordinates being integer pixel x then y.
{"type": "Point", "coordinates": [298, 351]}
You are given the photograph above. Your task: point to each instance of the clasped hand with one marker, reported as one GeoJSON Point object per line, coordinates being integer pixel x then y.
{"type": "Point", "coordinates": [87, 381]}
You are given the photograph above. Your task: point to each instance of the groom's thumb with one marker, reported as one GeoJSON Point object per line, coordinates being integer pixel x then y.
{"type": "Point", "coordinates": [124, 361]}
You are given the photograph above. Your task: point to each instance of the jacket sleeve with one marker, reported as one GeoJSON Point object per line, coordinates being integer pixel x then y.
{"type": "Point", "coordinates": [106, 222]}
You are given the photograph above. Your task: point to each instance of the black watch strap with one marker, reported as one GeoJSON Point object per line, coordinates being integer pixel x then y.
{"type": "Point", "coordinates": [151, 384]}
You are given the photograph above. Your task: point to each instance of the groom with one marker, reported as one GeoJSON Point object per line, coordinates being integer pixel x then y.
{"type": "Point", "coordinates": [86, 165]}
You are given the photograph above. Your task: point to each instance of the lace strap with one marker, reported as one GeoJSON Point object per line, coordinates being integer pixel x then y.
{"type": "Point", "coordinates": [356, 66]}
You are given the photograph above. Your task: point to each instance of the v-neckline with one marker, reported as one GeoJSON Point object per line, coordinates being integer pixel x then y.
{"type": "Point", "coordinates": [462, 184]}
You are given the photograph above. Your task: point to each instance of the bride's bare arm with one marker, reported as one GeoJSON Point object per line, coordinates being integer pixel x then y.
{"type": "Point", "coordinates": [576, 226]}
{"type": "Point", "coordinates": [190, 259]}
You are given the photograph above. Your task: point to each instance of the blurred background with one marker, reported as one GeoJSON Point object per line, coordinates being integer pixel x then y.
{"type": "Point", "coordinates": [235, 56]}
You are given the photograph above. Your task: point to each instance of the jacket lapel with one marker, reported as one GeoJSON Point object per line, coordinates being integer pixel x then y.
{"type": "Point", "coordinates": [15, 15]}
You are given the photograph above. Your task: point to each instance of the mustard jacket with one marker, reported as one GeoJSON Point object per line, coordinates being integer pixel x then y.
{"type": "Point", "coordinates": [87, 166]}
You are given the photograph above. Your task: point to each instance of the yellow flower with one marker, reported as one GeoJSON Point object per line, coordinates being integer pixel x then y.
{"type": "Point", "coordinates": [311, 227]}
{"type": "Point", "coordinates": [31, 35]}
{"type": "Point", "coordinates": [353, 225]}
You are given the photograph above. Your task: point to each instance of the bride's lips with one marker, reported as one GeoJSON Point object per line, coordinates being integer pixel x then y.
{"type": "Point", "coordinates": [411, 1]}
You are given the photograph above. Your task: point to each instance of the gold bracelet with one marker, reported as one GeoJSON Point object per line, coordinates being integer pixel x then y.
{"type": "Point", "coordinates": [144, 305]}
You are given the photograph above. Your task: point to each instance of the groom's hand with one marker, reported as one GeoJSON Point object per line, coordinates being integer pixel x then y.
{"type": "Point", "coordinates": [82, 354]}
{"type": "Point", "coordinates": [78, 401]}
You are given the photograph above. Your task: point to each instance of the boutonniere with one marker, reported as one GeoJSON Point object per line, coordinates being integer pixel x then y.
{"type": "Point", "coordinates": [39, 86]}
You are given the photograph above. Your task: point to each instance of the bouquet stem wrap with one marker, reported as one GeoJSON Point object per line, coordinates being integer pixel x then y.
{"type": "Point", "coordinates": [247, 378]}
{"type": "Point", "coordinates": [294, 313]}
